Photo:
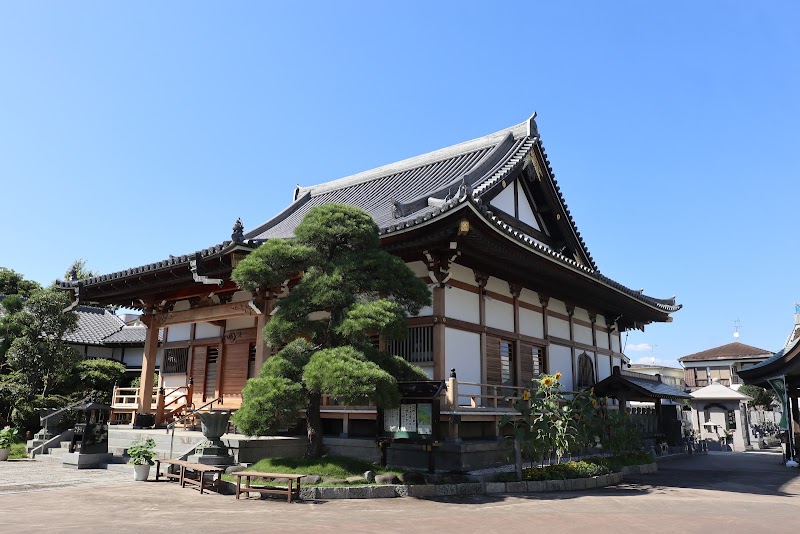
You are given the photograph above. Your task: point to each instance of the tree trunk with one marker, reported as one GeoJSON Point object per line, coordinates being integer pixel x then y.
{"type": "Point", "coordinates": [314, 426]}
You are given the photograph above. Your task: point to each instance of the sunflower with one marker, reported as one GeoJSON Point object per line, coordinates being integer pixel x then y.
{"type": "Point", "coordinates": [526, 395]}
{"type": "Point", "coordinates": [557, 376]}
{"type": "Point", "coordinates": [547, 381]}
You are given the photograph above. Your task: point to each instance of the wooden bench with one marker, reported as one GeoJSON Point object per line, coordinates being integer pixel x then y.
{"type": "Point", "coordinates": [289, 491]}
{"type": "Point", "coordinates": [184, 476]}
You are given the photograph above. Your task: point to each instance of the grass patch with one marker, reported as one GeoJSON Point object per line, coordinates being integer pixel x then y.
{"type": "Point", "coordinates": [327, 467]}
{"type": "Point", "coordinates": [17, 451]}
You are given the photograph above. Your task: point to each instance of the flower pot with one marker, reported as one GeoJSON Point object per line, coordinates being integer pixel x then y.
{"type": "Point", "coordinates": [141, 472]}
{"type": "Point", "coordinates": [4, 454]}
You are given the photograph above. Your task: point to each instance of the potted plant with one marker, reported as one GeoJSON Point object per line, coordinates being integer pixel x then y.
{"type": "Point", "coordinates": [7, 437]}
{"type": "Point", "coordinates": [141, 457]}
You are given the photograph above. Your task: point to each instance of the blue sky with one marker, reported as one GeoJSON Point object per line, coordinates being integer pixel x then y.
{"type": "Point", "coordinates": [132, 131]}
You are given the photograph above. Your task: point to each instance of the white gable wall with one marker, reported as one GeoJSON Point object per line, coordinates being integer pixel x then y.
{"type": "Point", "coordinates": [505, 200]}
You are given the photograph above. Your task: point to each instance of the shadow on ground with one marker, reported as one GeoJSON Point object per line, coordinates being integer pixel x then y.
{"type": "Point", "coordinates": [758, 473]}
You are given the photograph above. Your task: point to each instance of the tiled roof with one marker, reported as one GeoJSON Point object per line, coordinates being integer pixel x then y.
{"type": "Point", "coordinates": [100, 326]}
{"type": "Point", "coordinates": [637, 386]}
{"type": "Point", "coordinates": [94, 325]}
{"type": "Point", "coordinates": [172, 261]}
{"type": "Point", "coordinates": [413, 191]}
{"type": "Point", "coordinates": [719, 392]}
{"type": "Point", "coordinates": [731, 351]}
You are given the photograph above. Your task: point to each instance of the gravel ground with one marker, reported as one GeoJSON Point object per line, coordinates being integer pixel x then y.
{"type": "Point", "coordinates": [19, 476]}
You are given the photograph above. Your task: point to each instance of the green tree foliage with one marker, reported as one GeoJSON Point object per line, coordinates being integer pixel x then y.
{"type": "Point", "coordinates": [349, 289]}
{"type": "Point", "coordinates": [762, 398]}
{"type": "Point", "coordinates": [13, 283]}
{"type": "Point", "coordinates": [95, 378]}
{"type": "Point", "coordinates": [78, 268]}
{"type": "Point", "coordinates": [39, 354]}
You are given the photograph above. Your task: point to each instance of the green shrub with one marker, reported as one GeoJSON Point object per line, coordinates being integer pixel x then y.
{"type": "Point", "coordinates": [566, 470]}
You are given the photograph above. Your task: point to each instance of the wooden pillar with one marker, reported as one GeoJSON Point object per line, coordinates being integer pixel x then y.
{"type": "Point", "coordinates": [482, 279]}
{"type": "Point", "coordinates": [515, 291]}
{"type": "Point", "coordinates": [438, 333]}
{"type": "Point", "coordinates": [148, 363]}
{"type": "Point", "coordinates": [544, 301]}
{"type": "Point", "coordinates": [571, 314]}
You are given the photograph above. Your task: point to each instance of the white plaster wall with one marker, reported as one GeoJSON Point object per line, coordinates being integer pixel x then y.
{"type": "Point", "coordinates": [498, 286]}
{"type": "Point", "coordinates": [530, 323]}
{"type": "Point", "coordinates": [117, 353]}
{"type": "Point", "coordinates": [499, 315]}
{"type": "Point", "coordinates": [239, 323]}
{"type": "Point", "coordinates": [174, 380]}
{"type": "Point", "coordinates": [99, 352]}
{"type": "Point", "coordinates": [558, 327]}
{"type": "Point", "coordinates": [462, 305]}
{"type": "Point", "coordinates": [179, 332]}
{"type": "Point", "coordinates": [241, 296]}
{"type": "Point", "coordinates": [557, 306]}
{"type": "Point", "coordinates": [418, 267]}
{"type": "Point", "coordinates": [463, 353]}
{"type": "Point", "coordinates": [603, 366]}
{"type": "Point", "coordinates": [204, 330]}
{"type": "Point", "coordinates": [560, 361]}
{"type": "Point", "coordinates": [531, 297]}
{"type": "Point", "coordinates": [525, 211]}
{"type": "Point", "coordinates": [462, 274]}
{"type": "Point", "coordinates": [583, 334]}
{"type": "Point", "coordinates": [615, 342]}
{"type": "Point", "coordinates": [581, 314]}
{"type": "Point", "coordinates": [602, 339]}
{"type": "Point", "coordinates": [182, 305]}
{"type": "Point", "coordinates": [616, 362]}
{"type": "Point", "coordinates": [425, 311]}
{"type": "Point", "coordinates": [505, 200]}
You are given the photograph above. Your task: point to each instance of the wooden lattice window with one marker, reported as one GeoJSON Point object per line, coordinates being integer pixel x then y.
{"type": "Point", "coordinates": [416, 348]}
{"type": "Point", "coordinates": [585, 372]}
{"type": "Point", "coordinates": [531, 363]}
{"type": "Point", "coordinates": [251, 361]}
{"type": "Point", "coordinates": [176, 360]}
{"type": "Point", "coordinates": [499, 361]}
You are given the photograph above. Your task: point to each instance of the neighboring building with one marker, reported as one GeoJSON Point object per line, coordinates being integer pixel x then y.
{"type": "Point", "coordinates": [672, 376]}
{"type": "Point", "coordinates": [723, 363]}
{"type": "Point", "coordinates": [515, 290]}
{"type": "Point", "coordinates": [719, 414]}
{"type": "Point", "coordinates": [102, 334]}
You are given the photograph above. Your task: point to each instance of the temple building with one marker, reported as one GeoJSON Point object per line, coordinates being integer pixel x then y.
{"type": "Point", "coordinates": [515, 290]}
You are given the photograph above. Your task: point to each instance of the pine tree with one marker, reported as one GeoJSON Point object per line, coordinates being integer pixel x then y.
{"type": "Point", "coordinates": [348, 290]}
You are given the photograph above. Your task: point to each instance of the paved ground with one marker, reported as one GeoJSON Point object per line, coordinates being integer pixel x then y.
{"type": "Point", "coordinates": [732, 492]}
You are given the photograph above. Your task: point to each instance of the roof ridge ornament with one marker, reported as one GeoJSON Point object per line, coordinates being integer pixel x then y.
{"type": "Point", "coordinates": [533, 129]}
{"type": "Point", "coordinates": [238, 231]}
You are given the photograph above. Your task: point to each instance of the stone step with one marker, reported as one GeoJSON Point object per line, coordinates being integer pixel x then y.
{"type": "Point", "coordinates": [48, 458]}
{"type": "Point", "coordinates": [58, 451]}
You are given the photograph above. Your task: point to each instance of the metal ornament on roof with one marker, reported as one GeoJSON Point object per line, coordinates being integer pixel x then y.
{"type": "Point", "coordinates": [238, 231]}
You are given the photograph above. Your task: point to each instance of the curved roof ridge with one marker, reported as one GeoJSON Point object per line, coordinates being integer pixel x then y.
{"type": "Point", "coordinates": [486, 141]}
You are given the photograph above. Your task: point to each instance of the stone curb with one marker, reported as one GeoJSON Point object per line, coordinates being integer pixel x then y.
{"type": "Point", "coordinates": [468, 488]}
{"type": "Point", "coordinates": [643, 469]}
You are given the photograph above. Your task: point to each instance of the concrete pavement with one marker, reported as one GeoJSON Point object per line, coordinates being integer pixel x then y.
{"type": "Point", "coordinates": [735, 492]}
